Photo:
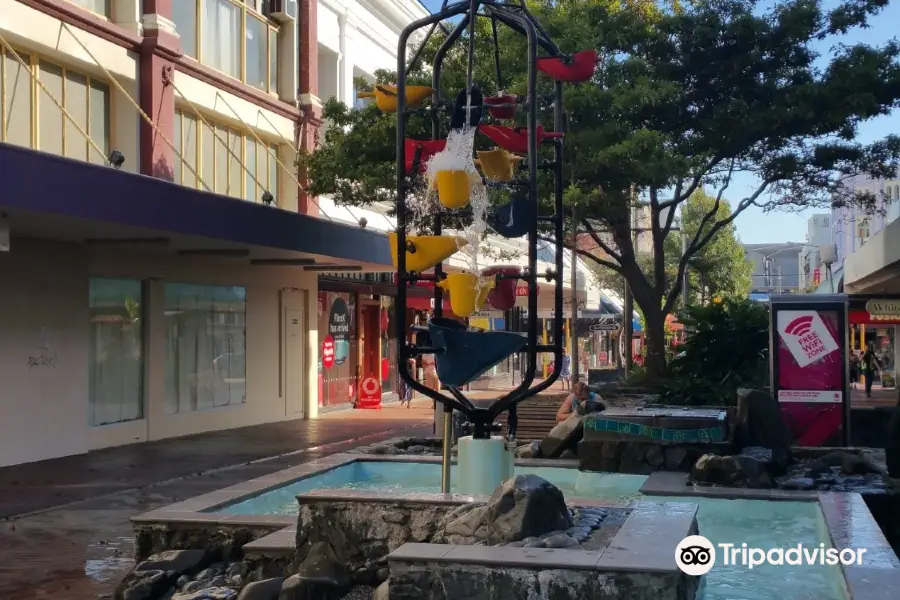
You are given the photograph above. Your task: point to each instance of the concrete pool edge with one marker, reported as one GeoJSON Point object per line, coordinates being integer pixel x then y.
{"type": "Point", "coordinates": [846, 516]}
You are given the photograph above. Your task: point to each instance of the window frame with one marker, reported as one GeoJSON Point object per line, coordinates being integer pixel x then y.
{"type": "Point", "coordinates": [246, 137]}
{"type": "Point", "coordinates": [37, 94]}
{"type": "Point", "coordinates": [247, 10]}
{"type": "Point", "coordinates": [104, 15]}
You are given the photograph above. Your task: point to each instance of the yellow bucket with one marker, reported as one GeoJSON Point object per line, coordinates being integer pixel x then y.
{"type": "Point", "coordinates": [386, 96]}
{"type": "Point", "coordinates": [453, 188]}
{"type": "Point", "coordinates": [468, 292]}
{"type": "Point", "coordinates": [425, 251]}
{"type": "Point", "coordinates": [497, 164]}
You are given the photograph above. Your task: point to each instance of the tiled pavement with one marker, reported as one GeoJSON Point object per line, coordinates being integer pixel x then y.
{"type": "Point", "coordinates": [79, 545]}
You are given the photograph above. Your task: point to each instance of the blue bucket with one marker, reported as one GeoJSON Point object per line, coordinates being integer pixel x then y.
{"type": "Point", "coordinates": [513, 219]}
{"type": "Point", "coordinates": [468, 353]}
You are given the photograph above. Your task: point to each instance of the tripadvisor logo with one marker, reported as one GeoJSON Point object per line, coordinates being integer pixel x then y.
{"type": "Point", "coordinates": [695, 555]}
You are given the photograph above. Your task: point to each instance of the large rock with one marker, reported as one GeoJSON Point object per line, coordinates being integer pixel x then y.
{"type": "Point", "coordinates": [564, 436]}
{"type": "Point", "coordinates": [143, 585]}
{"type": "Point", "coordinates": [759, 423]}
{"type": "Point", "coordinates": [320, 577]}
{"type": "Point", "coordinates": [732, 471]}
{"type": "Point", "coordinates": [267, 589]}
{"type": "Point", "coordinates": [525, 506]}
{"type": "Point", "coordinates": [521, 507]}
{"type": "Point", "coordinates": [179, 561]}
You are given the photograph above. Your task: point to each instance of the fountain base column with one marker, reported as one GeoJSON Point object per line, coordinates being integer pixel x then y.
{"type": "Point", "coordinates": [483, 464]}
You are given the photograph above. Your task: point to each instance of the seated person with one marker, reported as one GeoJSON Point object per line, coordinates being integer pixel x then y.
{"type": "Point", "coordinates": [581, 401]}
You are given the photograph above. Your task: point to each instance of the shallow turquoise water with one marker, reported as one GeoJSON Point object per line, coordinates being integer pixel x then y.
{"type": "Point", "coordinates": [758, 523]}
{"type": "Point", "coordinates": [401, 477]}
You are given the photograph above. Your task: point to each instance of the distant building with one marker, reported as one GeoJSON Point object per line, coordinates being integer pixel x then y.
{"type": "Point", "coordinates": [818, 234]}
{"type": "Point", "coordinates": [776, 268]}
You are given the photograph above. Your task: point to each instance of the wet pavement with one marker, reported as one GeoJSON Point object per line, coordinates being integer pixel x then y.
{"type": "Point", "coordinates": [79, 545]}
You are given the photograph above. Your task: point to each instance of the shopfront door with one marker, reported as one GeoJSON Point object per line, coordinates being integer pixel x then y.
{"type": "Point", "coordinates": [370, 341]}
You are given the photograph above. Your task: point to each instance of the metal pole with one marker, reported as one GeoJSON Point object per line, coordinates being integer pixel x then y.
{"type": "Point", "coordinates": [628, 317]}
{"type": "Point", "coordinates": [445, 455]}
{"type": "Point", "coordinates": [686, 283]}
{"type": "Point", "coordinates": [573, 330]}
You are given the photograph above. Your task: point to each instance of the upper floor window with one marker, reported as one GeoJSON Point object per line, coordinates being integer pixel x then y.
{"type": "Point", "coordinates": [228, 161]}
{"type": "Point", "coordinates": [101, 7]}
{"type": "Point", "coordinates": [230, 36]}
{"type": "Point", "coordinates": [31, 117]}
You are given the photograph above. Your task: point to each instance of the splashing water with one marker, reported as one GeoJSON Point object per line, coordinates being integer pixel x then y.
{"type": "Point", "coordinates": [458, 156]}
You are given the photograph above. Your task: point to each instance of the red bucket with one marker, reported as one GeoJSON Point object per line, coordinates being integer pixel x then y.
{"type": "Point", "coordinates": [429, 149]}
{"type": "Point", "coordinates": [503, 296]}
{"type": "Point", "coordinates": [515, 139]}
{"type": "Point", "coordinates": [578, 68]}
{"type": "Point", "coordinates": [501, 107]}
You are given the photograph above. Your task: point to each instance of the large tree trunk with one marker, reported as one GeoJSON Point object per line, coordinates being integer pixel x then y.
{"type": "Point", "coordinates": [655, 338]}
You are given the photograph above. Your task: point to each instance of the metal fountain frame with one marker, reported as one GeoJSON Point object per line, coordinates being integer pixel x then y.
{"type": "Point", "coordinates": [517, 17]}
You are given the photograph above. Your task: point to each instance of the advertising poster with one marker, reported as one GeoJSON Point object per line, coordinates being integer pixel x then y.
{"type": "Point", "coordinates": [810, 368]}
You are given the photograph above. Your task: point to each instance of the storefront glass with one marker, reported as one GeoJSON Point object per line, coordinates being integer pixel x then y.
{"type": "Point", "coordinates": [389, 376]}
{"type": "Point", "coordinates": [338, 348]}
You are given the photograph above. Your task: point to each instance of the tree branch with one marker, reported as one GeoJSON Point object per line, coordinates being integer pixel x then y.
{"type": "Point", "coordinates": [697, 245]}
{"type": "Point", "coordinates": [680, 197]}
{"type": "Point", "coordinates": [600, 261]}
{"type": "Point", "coordinates": [603, 245]}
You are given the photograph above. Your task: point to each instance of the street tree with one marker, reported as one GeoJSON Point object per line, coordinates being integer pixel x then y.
{"type": "Point", "coordinates": [684, 98]}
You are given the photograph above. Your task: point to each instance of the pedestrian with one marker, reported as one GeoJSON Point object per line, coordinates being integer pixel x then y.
{"type": "Point", "coordinates": [406, 389]}
{"type": "Point", "coordinates": [565, 371]}
{"type": "Point", "coordinates": [870, 364]}
{"type": "Point", "coordinates": [581, 401]}
{"type": "Point", "coordinates": [854, 368]}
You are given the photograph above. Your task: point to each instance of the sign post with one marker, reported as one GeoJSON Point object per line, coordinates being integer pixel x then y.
{"type": "Point", "coordinates": [808, 349]}
{"type": "Point", "coordinates": [369, 394]}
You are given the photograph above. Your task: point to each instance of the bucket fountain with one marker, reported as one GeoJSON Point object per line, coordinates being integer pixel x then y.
{"type": "Point", "coordinates": [438, 182]}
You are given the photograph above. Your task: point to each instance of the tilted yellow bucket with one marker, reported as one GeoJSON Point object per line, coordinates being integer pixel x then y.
{"type": "Point", "coordinates": [386, 96]}
{"type": "Point", "coordinates": [425, 251]}
{"type": "Point", "coordinates": [453, 188]}
{"type": "Point", "coordinates": [498, 165]}
{"type": "Point", "coordinates": [468, 292]}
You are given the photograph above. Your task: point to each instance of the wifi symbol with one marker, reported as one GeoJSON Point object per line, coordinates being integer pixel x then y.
{"type": "Point", "coordinates": [799, 326]}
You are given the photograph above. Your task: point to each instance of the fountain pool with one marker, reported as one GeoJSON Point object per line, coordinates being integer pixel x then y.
{"type": "Point", "coordinates": [759, 523]}
{"type": "Point", "coordinates": [405, 477]}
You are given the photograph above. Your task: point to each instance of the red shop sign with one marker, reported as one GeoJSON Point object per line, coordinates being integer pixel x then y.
{"type": "Point", "coordinates": [369, 394]}
{"type": "Point", "coordinates": [522, 290]}
{"type": "Point", "coordinates": [328, 352]}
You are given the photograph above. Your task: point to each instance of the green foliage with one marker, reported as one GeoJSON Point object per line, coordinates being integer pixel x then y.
{"type": "Point", "coordinates": [718, 269]}
{"type": "Point", "coordinates": [685, 97]}
{"type": "Point", "coordinates": [727, 348]}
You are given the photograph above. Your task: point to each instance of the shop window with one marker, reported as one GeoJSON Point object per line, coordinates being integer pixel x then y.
{"type": "Point", "coordinates": [100, 7]}
{"type": "Point", "coordinates": [227, 160]}
{"type": "Point", "coordinates": [38, 121]}
{"type": "Point", "coordinates": [338, 348]}
{"type": "Point", "coordinates": [232, 37]}
{"type": "Point", "coordinates": [205, 347]}
{"type": "Point", "coordinates": [116, 354]}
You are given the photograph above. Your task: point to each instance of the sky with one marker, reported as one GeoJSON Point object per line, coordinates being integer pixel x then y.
{"type": "Point", "coordinates": [756, 227]}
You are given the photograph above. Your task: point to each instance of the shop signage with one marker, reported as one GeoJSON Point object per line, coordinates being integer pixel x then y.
{"type": "Point", "coordinates": [369, 394]}
{"type": "Point", "coordinates": [883, 308]}
{"type": "Point", "coordinates": [805, 335]}
{"type": "Point", "coordinates": [810, 367]}
{"type": "Point", "coordinates": [339, 330]}
{"type": "Point", "coordinates": [328, 352]}
{"type": "Point", "coordinates": [522, 290]}
{"type": "Point", "coordinates": [605, 324]}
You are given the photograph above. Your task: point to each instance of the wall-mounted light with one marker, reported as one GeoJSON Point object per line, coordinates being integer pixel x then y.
{"type": "Point", "coordinates": [116, 159]}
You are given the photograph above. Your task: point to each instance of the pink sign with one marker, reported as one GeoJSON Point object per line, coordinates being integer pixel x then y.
{"type": "Point", "coordinates": [810, 384]}
{"type": "Point", "coordinates": [328, 352]}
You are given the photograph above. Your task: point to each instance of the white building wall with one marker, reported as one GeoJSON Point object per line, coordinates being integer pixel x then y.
{"type": "Point", "coordinates": [44, 349]}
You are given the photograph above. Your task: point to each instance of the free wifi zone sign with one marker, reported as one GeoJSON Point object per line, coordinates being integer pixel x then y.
{"type": "Point", "coordinates": [805, 335]}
